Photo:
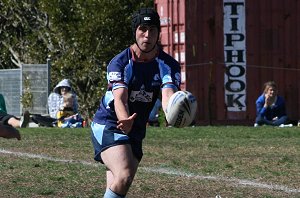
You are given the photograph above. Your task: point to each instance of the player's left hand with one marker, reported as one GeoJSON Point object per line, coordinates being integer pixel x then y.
{"type": "Point", "coordinates": [126, 124]}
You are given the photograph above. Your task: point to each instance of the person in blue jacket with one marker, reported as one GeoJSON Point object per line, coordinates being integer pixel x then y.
{"type": "Point", "coordinates": [136, 77]}
{"type": "Point", "coordinates": [270, 107]}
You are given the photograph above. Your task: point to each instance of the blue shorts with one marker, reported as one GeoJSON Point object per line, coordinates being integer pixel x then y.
{"type": "Point", "coordinates": [105, 136]}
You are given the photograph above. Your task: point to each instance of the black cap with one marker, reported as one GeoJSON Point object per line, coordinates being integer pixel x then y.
{"type": "Point", "coordinates": [145, 16]}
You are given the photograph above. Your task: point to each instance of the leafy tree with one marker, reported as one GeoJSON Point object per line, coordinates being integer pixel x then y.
{"type": "Point", "coordinates": [80, 36]}
{"type": "Point", "coordinates": [20, 37]}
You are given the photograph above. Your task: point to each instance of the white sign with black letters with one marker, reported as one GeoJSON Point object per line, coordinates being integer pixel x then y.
{"type": "Point", "coordinates": [235, 54]}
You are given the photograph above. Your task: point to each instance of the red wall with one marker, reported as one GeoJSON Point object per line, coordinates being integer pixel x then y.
{"type": "Point", "coordinates": [194, 29]}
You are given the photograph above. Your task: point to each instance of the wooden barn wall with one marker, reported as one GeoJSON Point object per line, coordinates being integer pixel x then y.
{"type": "Point", "coordinates": [272, 53]}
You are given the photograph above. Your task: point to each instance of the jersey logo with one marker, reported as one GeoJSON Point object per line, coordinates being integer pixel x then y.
{"type": "Point", "coordinates": [141, 95]}
{"type": "Point", "coordinates": [114, 76]}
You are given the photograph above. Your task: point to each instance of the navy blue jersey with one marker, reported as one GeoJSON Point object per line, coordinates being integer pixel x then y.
{"type": "Point", "coordinates": [144, 81]}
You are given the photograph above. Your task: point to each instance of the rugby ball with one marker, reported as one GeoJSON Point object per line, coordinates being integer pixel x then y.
{"type": "Point", "coordinates": [181, 109]}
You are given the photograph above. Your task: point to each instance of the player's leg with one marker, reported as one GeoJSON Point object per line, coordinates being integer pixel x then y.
{"type": "Point", "coordinates": [109, 181]}
{"type": "Point", "coordinates": [9, 132]}
{"type": "Point", "coordinates": [23, 122]}
{"type": "Point", "coordinates": [109, 178]}
{"type": "Point", "coordinates": [14, 122]}
{"type": "Point", "coordinates": [123, 166]}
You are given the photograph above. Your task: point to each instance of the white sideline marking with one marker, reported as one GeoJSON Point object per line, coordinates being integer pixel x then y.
{"type": "Point", "coordinates": [241, 182]}
{"type": "Point", "coordinates": [29, 155]}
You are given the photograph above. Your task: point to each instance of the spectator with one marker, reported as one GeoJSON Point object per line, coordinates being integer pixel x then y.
{"type": "Point", "coordinates": [270, 108]}
{"type": "Point", "coordinates": [55, 103]}
{"type": "Point", "coordinates": [66, 116]}
{"type": "Point", "coordinates": [55, 99]}
{"type": "Point", "coordinates": [7, 119]}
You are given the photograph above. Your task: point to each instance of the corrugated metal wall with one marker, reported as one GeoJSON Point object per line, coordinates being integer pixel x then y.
{"type": "Point", "coordinates": [193, 33]}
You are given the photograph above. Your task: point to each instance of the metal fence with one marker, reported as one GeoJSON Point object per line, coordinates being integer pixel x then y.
{"type": "Point", "coordinates": [12, 86]}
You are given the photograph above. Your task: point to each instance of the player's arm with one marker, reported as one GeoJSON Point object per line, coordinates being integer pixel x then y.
{"type": "Point", "coordinates": [167, 92]}
{"type": "Point", "coordinates": [120, 102]}
{"type": "Point", "coordinates": [170, 81]}
{"type": "Point", "coordinates": [125, 121]}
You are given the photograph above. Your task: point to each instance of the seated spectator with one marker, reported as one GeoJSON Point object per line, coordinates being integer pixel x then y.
{"type": "Point", "coordinates": [55, 103]}
{"type": "Point", "coordinates": [270, 108]}
{"type": "Point", "coordinates": [55, 99]}
{"type": "Point", "coordinates": [66, 117]}
{"type": "Point", "coordinates": [10, 120]}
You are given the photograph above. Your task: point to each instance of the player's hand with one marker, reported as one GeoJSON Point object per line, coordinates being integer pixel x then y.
{"type": "Point", "coordinates": [126, 124]}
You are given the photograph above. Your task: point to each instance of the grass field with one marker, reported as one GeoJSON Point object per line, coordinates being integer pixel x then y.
{"type": "Point", "coordinates": [191, 162]}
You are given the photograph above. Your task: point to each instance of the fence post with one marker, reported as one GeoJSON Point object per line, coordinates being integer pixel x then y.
{"type": "Point", "coordinates": [49, 74]}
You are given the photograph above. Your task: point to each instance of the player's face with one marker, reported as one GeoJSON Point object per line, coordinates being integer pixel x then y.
{"type": "Point", "coordinates": [146, 37]}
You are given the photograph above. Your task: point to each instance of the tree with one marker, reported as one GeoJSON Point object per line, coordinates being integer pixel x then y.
{"type": "Point", "coordinates": [20, 37]}
{"type": "Point", "coordinates": [80, 36]}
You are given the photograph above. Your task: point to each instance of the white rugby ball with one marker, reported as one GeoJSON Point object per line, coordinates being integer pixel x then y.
{"type": "Point", "coordinates": [181, 109]}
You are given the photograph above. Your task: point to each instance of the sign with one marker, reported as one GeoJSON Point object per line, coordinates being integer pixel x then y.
{"type": "Point", "coordinates": [235, 55]}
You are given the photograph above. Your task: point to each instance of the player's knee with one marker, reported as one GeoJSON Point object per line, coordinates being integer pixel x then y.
{"type": "Point", "coordinates": [125, 180]}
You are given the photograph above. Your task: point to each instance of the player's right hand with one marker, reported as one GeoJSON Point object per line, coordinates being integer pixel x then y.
{"type": "Point", "coordinates": [125, 125]}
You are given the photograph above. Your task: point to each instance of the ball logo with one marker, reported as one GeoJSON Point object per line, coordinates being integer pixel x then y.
{"type": "Point", "coordinates": [181, 109]}
{"type": "Point", "coordinates": [186, 106]}
{"type": "Point", "coordinates": [179, 118]}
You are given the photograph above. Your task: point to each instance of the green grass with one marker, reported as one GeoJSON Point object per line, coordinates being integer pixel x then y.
{"type": "Point", "coordinates": [263, 155]}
